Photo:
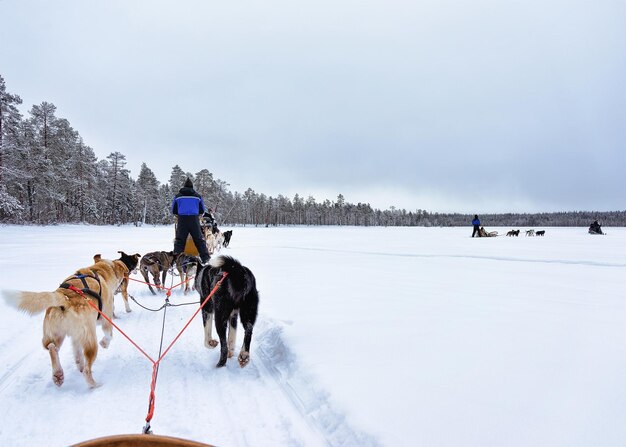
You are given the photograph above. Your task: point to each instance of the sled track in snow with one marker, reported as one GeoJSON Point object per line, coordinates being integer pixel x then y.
{"type": "Point", "coordinates": [309, 400]}
{"type": "Point", "coordinates": [10, 375]}
{"type": "Point", "coordinates": [486, 258]}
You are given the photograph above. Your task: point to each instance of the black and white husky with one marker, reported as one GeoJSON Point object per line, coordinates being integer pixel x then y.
{"type": "Point", "coordinates": [237, 296]}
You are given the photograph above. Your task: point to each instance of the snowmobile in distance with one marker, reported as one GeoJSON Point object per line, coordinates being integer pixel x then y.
{"type": "Point", "coordinates": [595, 228]}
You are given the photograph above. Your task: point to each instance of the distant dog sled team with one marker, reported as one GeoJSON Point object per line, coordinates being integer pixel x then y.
{"type": "Point", "coordinates": [480, 231]}
{"type": "Point", "coordinates": [85, 299]}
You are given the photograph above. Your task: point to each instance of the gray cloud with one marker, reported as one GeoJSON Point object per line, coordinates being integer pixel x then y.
{"type": "Point", "coordinates": [440, 105]}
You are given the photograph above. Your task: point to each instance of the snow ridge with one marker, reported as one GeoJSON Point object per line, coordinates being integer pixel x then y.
{"type": "Point", "coordinates": [312, 402]}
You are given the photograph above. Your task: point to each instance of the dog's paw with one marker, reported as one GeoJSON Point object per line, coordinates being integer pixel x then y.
{"type": "Point", "coordinates": [105, 342]}
{"type": "Point", "coordinates": [211, 344]}
{"type": "Point", "coordinates": [58, 377]}
{"type": "Point", "coordinates": [244, 358]}
{"type": "Point", "coordinates": [221, 363]}
{"type": "Point", "coordinates": [230, 353]}
{"type": "Point", "coordinates": [80, 365]}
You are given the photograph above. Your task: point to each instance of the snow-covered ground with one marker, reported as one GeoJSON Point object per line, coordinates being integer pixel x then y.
{"type": "Point", "coordinates": [366, 336]}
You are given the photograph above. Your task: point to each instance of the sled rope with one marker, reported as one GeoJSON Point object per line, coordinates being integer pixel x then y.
{"type": "Point", "coordinates": [168, 290]}
{"type": "Point", "coordinates": [155, 373]}
{"type": "Point", "coordinates": [155, 364]}
{"type": "Point", "coordinates": [162, 307]}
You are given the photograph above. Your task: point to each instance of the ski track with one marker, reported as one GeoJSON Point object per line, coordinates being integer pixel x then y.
{"type": "Point", "coordinates": [311, 402]}
{"type": "Point", "coordinates": [12, 373]}
{"type": "Point", "coordinates": [431, 256]}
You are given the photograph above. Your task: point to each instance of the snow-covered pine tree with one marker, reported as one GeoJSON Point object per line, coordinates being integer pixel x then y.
{"type": "Point", "coordinates": [205, 186]}
{"type": "Point", "coordinates": [10, 120]}
{"type": "Point", "coordinates": [177, 178]}
{"type": "Point", "coordinates": [166, 196]}
{"type": "Point", "coordinates": [148, 196]}
{"type": "Point", "coordinates": [84, 198]}
{"type": "Point", "coordinates": [118, 192]}
{"type": "Point", "coordinates": [37, 166]}
{"type": "Point", "coordinates": [61, 149]}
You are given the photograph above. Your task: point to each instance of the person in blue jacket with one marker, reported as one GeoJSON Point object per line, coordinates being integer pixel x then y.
{"type": "Point", "coordinates": [476, 223]}
{"type": "Point", "coordinates": [188, 206]}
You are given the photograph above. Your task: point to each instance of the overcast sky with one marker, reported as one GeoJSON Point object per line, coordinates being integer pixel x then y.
{"type": "Point", "coordinates": [470, 106]}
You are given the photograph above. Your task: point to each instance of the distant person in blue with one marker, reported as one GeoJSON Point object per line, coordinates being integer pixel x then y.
{"type": "Point", "coordinates": [188, 206]}
{"type": "Point", "coordinates": [476, 223]}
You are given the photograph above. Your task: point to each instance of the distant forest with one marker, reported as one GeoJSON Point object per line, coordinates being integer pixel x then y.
{"type": "Point", "coordinates": [48, 175]}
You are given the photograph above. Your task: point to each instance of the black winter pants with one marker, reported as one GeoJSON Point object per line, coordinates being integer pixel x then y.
{"type": "Point", "coordinates": [190, 225]}
{"type": "Point", "coordinates": [476, 230]}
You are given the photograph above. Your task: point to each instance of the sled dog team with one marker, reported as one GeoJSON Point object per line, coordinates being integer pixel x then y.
{"type": "Point", "coordinates": [85, 299]}
{"type": "Point", "coordinates": [530, 232]}
{"type": "Point", "coordinates": [217, 240]}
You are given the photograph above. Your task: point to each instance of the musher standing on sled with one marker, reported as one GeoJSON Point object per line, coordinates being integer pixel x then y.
{"type": "Point", "coordinates": [188, 206]}
{"type": "Point", "coordinates": [476, 223]}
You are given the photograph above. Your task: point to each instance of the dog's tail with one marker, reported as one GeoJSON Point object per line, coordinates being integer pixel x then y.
{"type": "Point", "coordinates": [33, 302]}
{"type": "Point", "coordinates": [240, 278]}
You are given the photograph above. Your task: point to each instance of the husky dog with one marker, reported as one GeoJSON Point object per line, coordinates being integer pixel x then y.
{"type": "Point", "coordinates": [209, 237]}
{"type": "Point", "coordinates": [154, 263]}
{"type": "Point", "coordinates": [236, 296]}
{"type": "Point", "coordinates": [187, 267]}
{"type": "Point", "coordinates": [227, 235]}
{"type": "Point", "coordinates": [123, 288]}
{"type": "Point", "coordinates": [219, 240]}
{"type": "Point", "coordinates": [69, 314]}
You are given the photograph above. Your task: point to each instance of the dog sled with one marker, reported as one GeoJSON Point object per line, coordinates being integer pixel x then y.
{"type": "Point", "coordinates": [483, 233]}
{"type": "Point", "coordinates": [190, 247]}
{"type": "Point", "coordinates": [140, 441]}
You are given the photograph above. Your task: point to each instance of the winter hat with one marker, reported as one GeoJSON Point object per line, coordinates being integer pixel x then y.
{"type": "Point", "coordinates": [188, 183]}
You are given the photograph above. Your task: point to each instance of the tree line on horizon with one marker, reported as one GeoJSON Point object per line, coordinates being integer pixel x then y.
{"type": "Point", "coordinates": [48, 175]}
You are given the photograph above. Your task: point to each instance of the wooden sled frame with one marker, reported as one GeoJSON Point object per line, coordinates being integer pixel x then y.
{"type": "Point", "coordinates": [140, 441]}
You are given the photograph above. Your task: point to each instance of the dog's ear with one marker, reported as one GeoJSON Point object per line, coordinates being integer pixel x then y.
{"type": "Point", "coordinates": [97, 258]}
{"type": "Point", "coordinates": [136, 255]}
{"type": "Point", "coordinates": [129, 260]}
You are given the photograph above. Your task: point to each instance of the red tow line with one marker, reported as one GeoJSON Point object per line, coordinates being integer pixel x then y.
{"type": "Point", "coordinates": [155, 364]}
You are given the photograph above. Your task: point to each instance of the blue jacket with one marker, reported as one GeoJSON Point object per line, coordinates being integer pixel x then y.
{"type": "Point", "coordinates": [476, 222]}
{"type": "Point", "coordinates": [187, 203]}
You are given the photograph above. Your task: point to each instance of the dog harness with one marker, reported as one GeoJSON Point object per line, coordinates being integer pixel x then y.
{"type": "Point", "coordinates": [152, 259]}
{"type": "Point", "coordinates": [85, 289]}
